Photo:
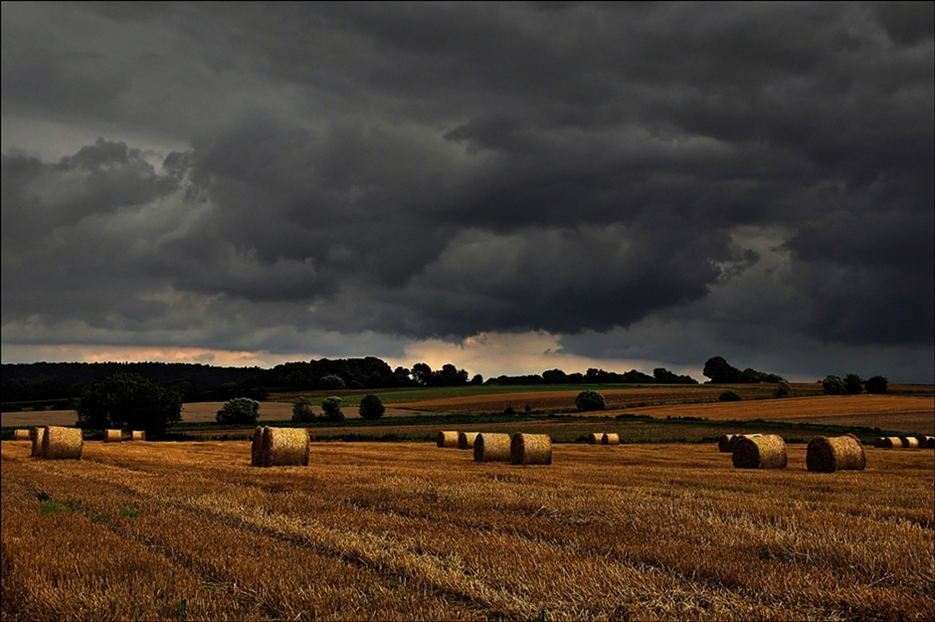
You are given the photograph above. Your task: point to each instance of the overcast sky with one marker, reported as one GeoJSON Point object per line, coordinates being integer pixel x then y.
{"type": "Point", "coordinates": [509, 187]}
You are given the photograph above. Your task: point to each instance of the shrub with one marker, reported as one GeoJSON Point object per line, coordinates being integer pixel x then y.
{"type": "Point", "coordinates": [332, 408]}
{"type": "Point", "coordinates": [853, 384]}
{"type": "Point", "coordinates": [302, 411]}
{"type": "Point", "coordinates": [239, 410]}
{"type": "Point", "coordinates": [371, 407]}
{"type": "Point", "coordinates": [877, 384]}
{"type": "Point", "coordinates": [729, 396]}
{"type": "Point", "coordinates": [590, 400]}
{"type": "Point", "coordinates": [833, 385]}
{"type": "Point", "coordinates": [783, 389]}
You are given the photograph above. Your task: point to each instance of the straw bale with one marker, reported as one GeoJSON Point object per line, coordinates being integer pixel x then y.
{"type": "Point", "coordinates": [113, 436]}
{"type": "Point", "coordinates": [767, 451]}
{"type": "Point", "coordinates": [285, 447]}
{"type": "Point", "coordinates": [492, 447]}
{"type": "Point", "coordinates": [21, 435]}
{"type": "Point", "coordinates": [927, 442]}
{"type": "Point", "coordinates": [37, 434]}
{"type": "Point", "coordinates": [595, 438]}
{"type": "Point", "coordinates": [879, 441]}
{"type": "Point", "coordinates": [610, 438]}
{"type": "Point", "coordinates": [60, 443]}
{"type": "Point", "coordinates": [737, 437]}
{"type": "Point", "coordinates": [256, 449]}
{"type": "Point", "coordinates": [447, 438]}
{"type": "Point", "coordinates": [531, 449]}
{"type": "Point", "coordinates": [909, 442]}
{"type": "Point", "coordinates": [726, 443]}
{"type": "Point", "coordinates": [466, 440]}
{"type": "Point", "coordinates": [892, 442]}
{"type": "Point", "coordinates": [138, 435]}
{"type": "Point", "coordinates": [836, 453]}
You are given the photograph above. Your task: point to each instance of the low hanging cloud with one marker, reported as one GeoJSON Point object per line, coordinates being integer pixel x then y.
{"type": "Point", "coordinates": [608, 170]}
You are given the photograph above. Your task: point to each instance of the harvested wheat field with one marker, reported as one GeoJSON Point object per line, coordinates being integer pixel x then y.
{"type": "Point", "coordinates": [193, 412]}
{"type": "Point", "coordinates": [169, 531]}
{"type": "Point", "coordinates": [911, 412]}
{"type": "Point", "coordinates": [564, 400]}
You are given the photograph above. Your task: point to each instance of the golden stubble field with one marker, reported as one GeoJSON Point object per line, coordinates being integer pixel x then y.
{"type": "Point", "coordinates": [170, 531]}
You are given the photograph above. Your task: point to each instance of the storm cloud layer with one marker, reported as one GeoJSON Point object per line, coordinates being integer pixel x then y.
{"type": "Point", "coordinates": [650, 181]}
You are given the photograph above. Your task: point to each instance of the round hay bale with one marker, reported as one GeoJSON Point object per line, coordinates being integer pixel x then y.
{"type": "Point", "coordinates": [531, 449]}
{"type": "Point", "coordinates": [610, 438]}
{"type": "Point", "coordinates": [285, 447]}
{"type": "Point", "coordinates": [909, 442]}
{"type": "Point", "coordinates": [726, 443]}
{"type": "Point", "coordinates": [595, 438]}
{"type": "Point", "coordinates": [737, 437]}
{"type": "Point", "coordinates": [767, 451]}
{"type": "Point", "coordinates": [256, 449]}
{"type": "Point", "coordinates": [447, 438]}
{"type": "Point", "coordinates": [837, 453]}
{"type": "Point", "coordinates": [37, 434]}
{"type": "Point", "coordinates": [466, 440]}
{"type": "Point", "coordinates": [60, 443]}
{"type": "Point", "coordinates": [113, 436]}
{"type": "Point", "coordinates": [138, 435]}
{"type": "Point", "coordinates": [879, 441]}
{"type": "Point", "coordinates": [490, 447]}
{"type": "Point", "coordinates": [21, 435]}
{"type": "Point", "coordinates": [892, 442]}
{"type": "Point", "coordinates": [929, 442]}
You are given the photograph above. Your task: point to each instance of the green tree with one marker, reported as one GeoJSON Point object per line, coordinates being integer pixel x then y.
{"type": "Point", "coordinates": [302, 411]}
{"type": "Point", "coordinates": [332, 408]}
{"type": "Point", "coordinates": [449, 376]}
{"type": "Point", "coordinates": [371, 407]}
{"type": "Point", "coordinates": [239, 410]}
{"type": "Point", "coordinates": [877, 384]}
{"type": "Point", "coordinates": [422, 374]}
{"type": "Point", "coordinates": [833, 385]}
{"type": "Point", "coordinates": [127, 400]}
{"type": "Point", "coordinates": [590, 400]}
{"type": "Point", "coordinates": [783, 389]}
{"type": "Point", "coordinates": [721, 372]}
{"type": "Point", "coordinates": [853, 384]}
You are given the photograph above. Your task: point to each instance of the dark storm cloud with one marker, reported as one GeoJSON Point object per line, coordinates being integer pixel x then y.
{"type": "Point", "coordinates": [447, 169]}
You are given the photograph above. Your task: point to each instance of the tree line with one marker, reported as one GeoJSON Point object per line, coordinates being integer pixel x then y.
{"type": "Point", "coordinates": [196, 382]}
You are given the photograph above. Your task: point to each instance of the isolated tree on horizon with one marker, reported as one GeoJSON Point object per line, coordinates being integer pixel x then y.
{"type": "Point", "coordinates": [721, 372]}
